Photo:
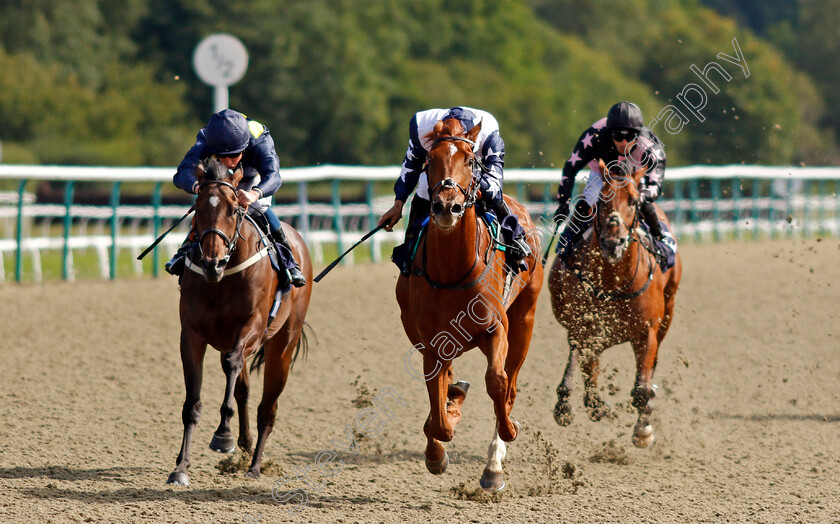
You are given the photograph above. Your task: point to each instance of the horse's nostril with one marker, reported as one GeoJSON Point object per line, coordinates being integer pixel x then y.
{"type": "Point", "coordinates": [437, 208]}
{"type": "Point", "coordinates": [456, 209]}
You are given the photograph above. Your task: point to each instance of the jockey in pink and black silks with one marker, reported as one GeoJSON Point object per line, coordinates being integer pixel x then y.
{"type": "Point", "coordinates": [621, 139]}
{"type": "Point", "coordinates": [489, 148]}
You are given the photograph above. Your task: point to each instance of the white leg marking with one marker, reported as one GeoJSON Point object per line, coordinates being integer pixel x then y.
{"type": "Point", "coordinates": [495, 453]}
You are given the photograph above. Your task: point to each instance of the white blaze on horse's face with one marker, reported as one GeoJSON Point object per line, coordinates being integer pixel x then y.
{"type": "Point", "coordinates": [214, 200]}
{"type": "Point", "coordinates": [452, 149]}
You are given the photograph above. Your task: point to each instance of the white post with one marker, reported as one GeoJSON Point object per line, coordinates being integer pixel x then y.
{"type": "Point", "coordinates": [220, 98]}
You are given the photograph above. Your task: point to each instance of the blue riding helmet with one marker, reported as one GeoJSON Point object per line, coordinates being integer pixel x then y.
{"type": "Point", "coordinates": [227, 133]}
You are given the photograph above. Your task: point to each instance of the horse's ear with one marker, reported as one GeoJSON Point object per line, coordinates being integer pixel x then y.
{"type": "Point", "coordinates": [438, 128]}
{"type": "Point", "coordinates": [236, 177]}
{"type": "Point", "coordinates": [637, 176]}
{"type": "Point", "coordinates": [602, 167]}
{"type": "Point", "coordinates": [473, 133]}
{"type": "Point", "coordinates": [200, 169]}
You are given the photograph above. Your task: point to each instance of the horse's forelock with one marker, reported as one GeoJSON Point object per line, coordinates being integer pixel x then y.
{"type": "Point", "coordinates": [216, 171]}
{"type": "Point", "coordinates": [617, 181]}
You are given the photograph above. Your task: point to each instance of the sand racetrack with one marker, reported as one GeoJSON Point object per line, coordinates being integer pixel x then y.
{"type": "Point", "coordinates": [747, 419]}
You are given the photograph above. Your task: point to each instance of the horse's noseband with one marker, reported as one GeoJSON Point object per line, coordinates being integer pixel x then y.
{"type": "Point", "coordinates": [448, 183]}
{"type": "Point", "coordinates": [231, 242]}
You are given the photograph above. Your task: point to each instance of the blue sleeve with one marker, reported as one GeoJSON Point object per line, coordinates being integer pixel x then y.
{"type": "Point", "coordinates": [267, 163]}
{"type": "Point", "coordinates": [413, 163]}
{"type": "Point", "coordinates": [185, 175]}
{"type": "Point", "coordinates": [493, 158]}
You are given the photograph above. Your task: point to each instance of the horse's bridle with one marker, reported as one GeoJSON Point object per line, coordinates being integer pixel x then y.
{"type": "Point", "coordinates": [447, 183]}
{"type": "Point", "coordinates": [623, 293]}
{"type": "Point", "coordinates": [240, 213]}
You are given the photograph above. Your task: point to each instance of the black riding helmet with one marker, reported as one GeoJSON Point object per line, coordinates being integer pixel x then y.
{"type": "Point", "coordinates": [226, 133]}
{"type": "Point", "coordinates": [625, 115]}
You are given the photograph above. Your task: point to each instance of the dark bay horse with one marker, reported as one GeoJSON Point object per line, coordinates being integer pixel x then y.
{"type": "Point", "coordinates": [457, 299]}
{"type": "Point", "coordinates": [612, 292]}
{"type": "Point", "coordinates": [226, 294]}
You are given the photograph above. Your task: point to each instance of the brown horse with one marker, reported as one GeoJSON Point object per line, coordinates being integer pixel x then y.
{"type": "Point", "coordinates": [226, 295]}
{"type": "Point", "coordinates": [611, 293]}
{"type": "Point", "coordinates": [456, 299]}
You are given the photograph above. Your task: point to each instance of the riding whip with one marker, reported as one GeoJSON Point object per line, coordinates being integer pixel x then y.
{"type": "Point", "coordinates": [337, 260]}
{"type": "Point", "coordinates": [550, 242]}
{"type": "Point", "coordinates": [156, 242]}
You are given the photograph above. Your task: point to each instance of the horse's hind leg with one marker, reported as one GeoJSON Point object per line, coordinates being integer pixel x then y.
{"type": "Point", "coordinates": [192, 359]}
{"type": "Point", "coordinates": [240, 392]}
{"type": "Point", "coordinates": [563, 412]}
{"type": "Point", "coordinates": [590, 365]}
{"type": "Point", "coordinates": [278, 361]}
{"type": "Point", "coordinates": [645, 349]}
{"type": "Point", "coordinates": [232, 364]}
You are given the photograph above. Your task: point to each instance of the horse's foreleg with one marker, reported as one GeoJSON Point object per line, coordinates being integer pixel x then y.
{"type": "Point", "coordinates": [493, 478]}
{"type": "Point", "coordinates": [240, 392]}
{"type": "Point", "coordinates": [563, 412]}
{"type": "Point", "coordinates": [591, 368]}
{"type": "Point", "coordinates": [496, 379]}
{"type": "Point", "coordinates": [278, 361]}
{"type": "Point", "coordinates": [232, 363]}
{"type": "Point", "coordinates": [438, 426]}
{"type": "Point", "coordinates": [645, 348]}
{"type": "Point", "coordinates": [192, 358]}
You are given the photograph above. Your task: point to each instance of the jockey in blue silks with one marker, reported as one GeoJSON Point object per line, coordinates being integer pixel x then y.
{"type": "Point", "coordinates": [236, 140]}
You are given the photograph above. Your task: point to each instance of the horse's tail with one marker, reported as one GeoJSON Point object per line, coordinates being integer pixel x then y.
{"type": "Point", "coordinates": [258, 358]}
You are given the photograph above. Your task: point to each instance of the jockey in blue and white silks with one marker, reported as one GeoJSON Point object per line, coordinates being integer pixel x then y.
{"type": "Point", "coordinates": [489, 149]}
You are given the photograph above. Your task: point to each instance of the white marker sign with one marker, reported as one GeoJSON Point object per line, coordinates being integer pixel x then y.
{"type": "Point", "coordinates": [220, 60]}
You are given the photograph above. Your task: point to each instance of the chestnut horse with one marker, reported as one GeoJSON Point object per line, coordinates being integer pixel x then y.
{"type": "Point", "coordinates": [456, 299]}
{"type": "Point", "coordinates": [614, 292]}
{"type": "Point", "coordinates": [226, 295]}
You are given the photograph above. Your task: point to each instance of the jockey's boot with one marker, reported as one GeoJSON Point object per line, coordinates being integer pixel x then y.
{"type": "Point", "coordinates": [518, 248]}
{"type": "Point", "coordinates": [295, 275]}
{"type": "Point", "coordinates": [652, 220]}
{"type": "Point", "coordinates": [179, 259]}
{"type": "Point", "coordinates": [575, 227]}
{"type": "Point", "coordinates": [401, 256]}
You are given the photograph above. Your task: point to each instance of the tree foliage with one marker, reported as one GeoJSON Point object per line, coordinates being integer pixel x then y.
{"type": "Point", "coordinates": [336, 81]}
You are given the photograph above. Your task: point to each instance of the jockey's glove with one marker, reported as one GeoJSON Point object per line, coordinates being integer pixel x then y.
{"type": "Point", "coordinates": [561, 214]}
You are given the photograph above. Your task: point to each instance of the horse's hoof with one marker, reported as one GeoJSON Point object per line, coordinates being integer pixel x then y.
{"type": "Point", "coordinates": [222, 444]}
{"type": "Point", "coordinates": [517, 427]}
{"type": "Point", "coordinates": [643, 436]}
{"type": "Point", "coordinates": [463, 385]}
{"type": "Point", "coordinates": [492, 482]}
{"type": "Point", "coordinates": [563, 414]}
{"type": "Point", "coordinates": [598, 413]}
{"type": "Point", "coordinates": [253, 474]}
{"type": "Point", "coordinates": [179, 478]}
{"type": "Point", "coordinates": [437, 467]}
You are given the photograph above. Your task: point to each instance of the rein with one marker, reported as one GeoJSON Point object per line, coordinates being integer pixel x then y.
{"type": "Point", "coordinates": [488, 261]}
